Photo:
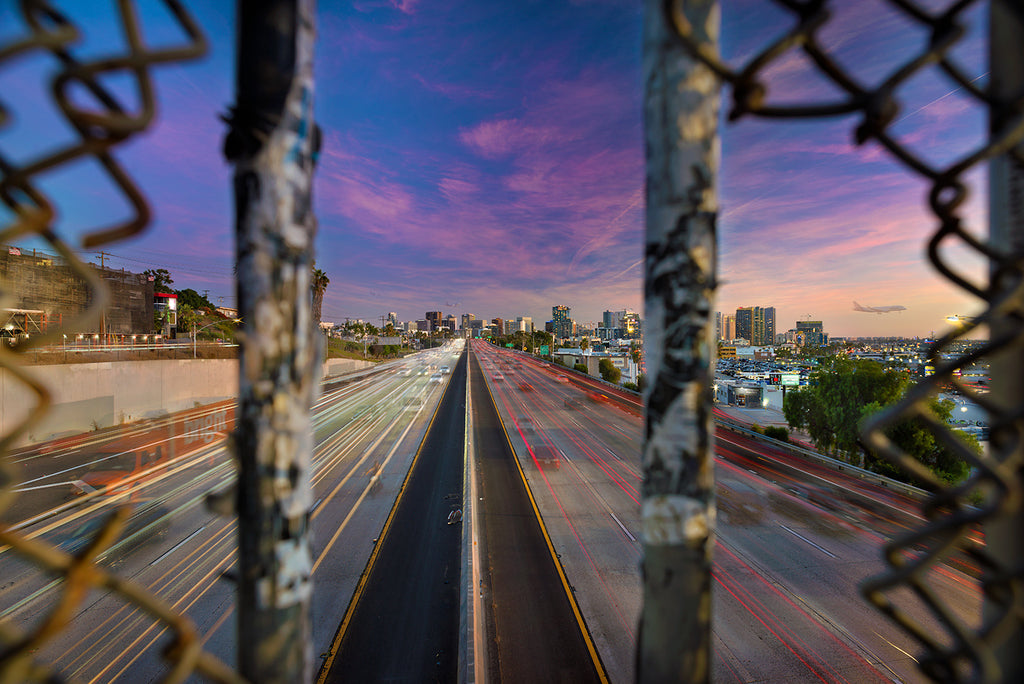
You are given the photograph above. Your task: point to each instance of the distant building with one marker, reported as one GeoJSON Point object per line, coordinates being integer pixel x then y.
{"type": "Point", "coordinates": [50, 292]}
{"type": "Point", "coordinates": [392, 318]}
{"type": "Point", "coordinates": [769, 326]}
{"type": "Point", "coordinates": [467, 318]}
{"type": "Point", "coordinates": [752, 324]}
{"type": "Point", "coordinates": [561, 319]}
{"type": "Point", "coordinates": [631, 325]}
{"type": "Point", "coordinates": [166, 305]}
{"type": "Point", "coordinates": [728, 327]}
{"type": "Point", "coordinates": [810, 333]}
{"type": "Point", "coordinates": [435, 319]}
{"type": "Point", "coordinates": [451, 323]}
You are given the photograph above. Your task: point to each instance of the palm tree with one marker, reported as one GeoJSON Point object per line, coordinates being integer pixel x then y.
{"type": "Point", "coordinates": [319, 284]}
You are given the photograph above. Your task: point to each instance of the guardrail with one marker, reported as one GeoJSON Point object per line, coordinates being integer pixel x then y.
{"type": "Point", "coordinates": [835, 464]}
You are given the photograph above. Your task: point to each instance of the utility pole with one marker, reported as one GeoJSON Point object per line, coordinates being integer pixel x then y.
{"type": "Point", "coordinates": [681, 102]}
{"type": "Point", "coordinates": [273, 143]}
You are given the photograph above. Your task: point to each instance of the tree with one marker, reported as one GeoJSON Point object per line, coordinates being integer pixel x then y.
{"type": "Point", "coordinates": [608, 371]}
{"type": "Point", "coordinates": [585, 343]}
{"type": "Point", "coordinates": [844, 392]}
{"type": "Point", "coordinates": [161, 279]}
{"type": "Point", "coordinates": [188, 318]}
{"type": "Point", "coordinates": [318, 283]}
{"type": "Point", "coordinates": [191, 298]}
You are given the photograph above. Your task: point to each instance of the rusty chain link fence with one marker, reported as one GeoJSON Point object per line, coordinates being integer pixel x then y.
{"type": "Point", "coordinates": [991, 498]}
{"type": "Point", "coordinates": [46, 33]}
{"type": "Point", "coordinates": [963, 652]}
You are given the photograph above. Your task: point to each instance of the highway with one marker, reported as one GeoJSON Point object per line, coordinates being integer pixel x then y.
{"type": "Point", "coordinates": [560, 593]}
{"type": "Point", "coordinates": [185, 553]}
{"type": "Point", "coordinates": [793, 540]}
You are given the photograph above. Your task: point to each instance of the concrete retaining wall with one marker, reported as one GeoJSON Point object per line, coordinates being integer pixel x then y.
{"type": "Point", "coordinates": [87, 396]}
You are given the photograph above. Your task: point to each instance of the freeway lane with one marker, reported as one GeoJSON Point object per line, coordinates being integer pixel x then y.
{"type": "Point", "coordinates": [533, 630]}
{"type": "Point", "coordinates": [403, 623]}
{"type": "Point", "coordinates": [792, 545]}
{"type": "Point", "coordinates": [371, 424]}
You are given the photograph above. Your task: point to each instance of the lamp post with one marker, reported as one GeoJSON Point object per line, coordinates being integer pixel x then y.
{"type": "Point", "coordinates": [195, 333]}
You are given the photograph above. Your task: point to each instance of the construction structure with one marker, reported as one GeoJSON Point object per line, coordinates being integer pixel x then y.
{"type": "Point", "coordinates": [43, 290]}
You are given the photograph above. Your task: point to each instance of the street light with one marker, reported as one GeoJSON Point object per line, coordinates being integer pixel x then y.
{"type": "Point", "coordinates": [195, 333]}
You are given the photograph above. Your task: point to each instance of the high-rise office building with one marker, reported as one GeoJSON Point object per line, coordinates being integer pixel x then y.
{"type": "Point", "coordinates": [756, 325]}
{"type": "Point", "coordinates": [729, 326]}
{"type": "Point", "coordinates": [631, 325]}
{"type": "Point", "coordinates": [811, 333]}
{"type": "Point", "coordinates": [561, 319]}
{"type": "Point", "coordinates": [435, 319]}
{"type": "Point", "coordinates": [466, 320]}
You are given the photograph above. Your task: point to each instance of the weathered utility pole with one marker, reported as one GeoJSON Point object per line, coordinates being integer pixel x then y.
{"type": "Point", "coordinates": [273, 143]}
{"type": "Point", "coordinates": [681, 105]}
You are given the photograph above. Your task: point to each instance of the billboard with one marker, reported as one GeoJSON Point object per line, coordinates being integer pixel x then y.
{"type": "Point", "coordinates": [544, 350]}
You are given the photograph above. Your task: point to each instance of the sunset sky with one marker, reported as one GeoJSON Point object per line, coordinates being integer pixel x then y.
{"type": "Point", "coordinates": [487, 157]}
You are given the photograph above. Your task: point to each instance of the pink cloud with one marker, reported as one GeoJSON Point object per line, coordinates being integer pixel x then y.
{"type": "Point", "coordinates": [499, 138]}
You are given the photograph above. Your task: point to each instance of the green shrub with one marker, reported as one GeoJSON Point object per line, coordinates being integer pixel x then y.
{"type": "Point", "coordinates": [777, 432]}
{"type": "Point", "coordinates": [582, 368]}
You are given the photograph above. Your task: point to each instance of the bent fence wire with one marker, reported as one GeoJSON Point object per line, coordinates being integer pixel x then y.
{"type": "Point", "coordinates": [49, 34]}
{"type": "Point", "coordinates": [990, 649]}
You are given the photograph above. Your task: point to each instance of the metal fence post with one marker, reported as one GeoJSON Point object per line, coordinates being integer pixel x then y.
{"type": "Point", "coordinates": [1006, 227]}
{"type": "Point", "coordinates": [273, 143]}
{"type": "Point", "coordinates": [681, 105]}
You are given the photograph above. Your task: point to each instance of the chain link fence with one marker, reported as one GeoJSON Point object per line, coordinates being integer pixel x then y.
{"type": "Point", "coordinates": [990, 500]}
{"type": "Point", "coordinates": [47, 33]}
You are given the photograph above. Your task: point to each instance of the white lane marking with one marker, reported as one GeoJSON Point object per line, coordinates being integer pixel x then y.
{"type": "Point", "coordinates": [619, 523]}
{"type": "Point", "coordinates": [800, 536]}
{"type": "Point", "coordinates": [176, 546]}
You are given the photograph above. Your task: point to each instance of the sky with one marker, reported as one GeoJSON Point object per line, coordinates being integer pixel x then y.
{"type": "Point", "coordinates": [487, 158]}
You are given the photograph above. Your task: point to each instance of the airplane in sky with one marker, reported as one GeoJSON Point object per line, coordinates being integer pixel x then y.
{"type": "Point", "coordinates": [878, 309]}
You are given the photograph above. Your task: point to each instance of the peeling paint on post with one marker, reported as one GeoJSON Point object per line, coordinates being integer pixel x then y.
{"type": "Point", "coordinates": [273, 143]}
{"type": "Point", "coordinates": [1004, 601]}
{"type": "Point", "coordinates": [680, 120]}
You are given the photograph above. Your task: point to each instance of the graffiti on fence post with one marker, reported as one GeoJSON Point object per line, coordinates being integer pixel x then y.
{"type": "Point", "coordinates": [273, 142]}
{"type": "Point", "coordinates": [680, 120]}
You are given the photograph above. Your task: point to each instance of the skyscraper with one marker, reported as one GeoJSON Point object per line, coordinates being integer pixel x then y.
{"type": "Point", "coordinates": [750, 324]}
{"type": "Point", "coordinates": [729, 327]}
{"type": "Point", "coordinates": [561, 319]}
{"type": "Point", "coordinates": [435, 319]}
{"type": "Point", "coordinates": [769, 325]}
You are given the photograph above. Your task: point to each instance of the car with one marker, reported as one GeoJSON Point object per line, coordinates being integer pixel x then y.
{"type": "Point", "coordinates": [547, 457]}
{"type": "Point", "coordinates": [445, 370]}
{"type": "Point", "coordinates": [498, 377]}
{"type": "Point", "coordinates": [147, 523]}
{"type": "Point", "coordinates": [437, 378]}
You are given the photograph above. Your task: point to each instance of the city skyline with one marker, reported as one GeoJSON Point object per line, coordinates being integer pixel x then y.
{"type": "Point", "coordinates": [490, 159]}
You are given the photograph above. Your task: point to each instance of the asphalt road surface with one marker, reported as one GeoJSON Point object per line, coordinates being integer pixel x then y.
{"type": "Point", "coordinates": [533, 627]}
{"type": "Point", "coordinates": [403, 624]}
